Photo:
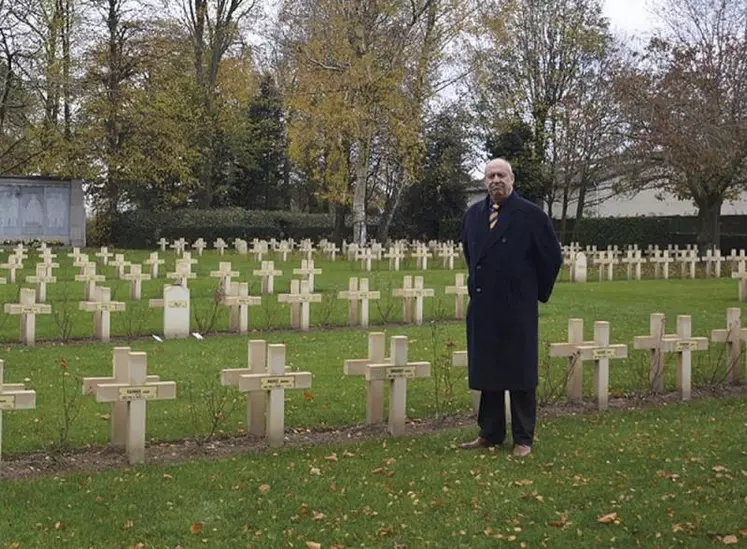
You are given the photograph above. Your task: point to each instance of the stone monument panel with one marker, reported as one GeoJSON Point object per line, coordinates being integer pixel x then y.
{"type": "Point", "coordinates": [42, 208]}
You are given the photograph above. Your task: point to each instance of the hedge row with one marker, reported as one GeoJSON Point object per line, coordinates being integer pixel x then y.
{"type": "Point", "coordinates": [143, 229]}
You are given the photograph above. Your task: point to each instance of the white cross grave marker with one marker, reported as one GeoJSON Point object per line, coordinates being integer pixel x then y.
{"type": "Point", "coordinates": [41, 279]}
{"type": "Point", "coordinates": [102, 306]}
{"type": "Point", "coordinates": [354, 294]}
{"type": "Point", "coordinates": [120, 369]}
{"type": "Point", "coordinates": [153, 262]}
{"type": "Point", "coordinates": [307, 272]}
{"type": "Point", "coordinates": [225, 274]}
{"type": "Point", "coordinates": [397, 373]}
{"type": "Point", "coordinates": [274, 384]}
{"type": "Point", "coordinates": [601, 352]}
{"type": "Point", "coordinates": [257, 400]}
{"type": "Point", "coordinates": [299, 298]}
{"type": "Point", "coordinates": [90, 278]}
{"type": "Point", "coordinates": [136, 277]}
{"type": "Point", "coordinates": [28, 309]}
{"type": "Point", "coordinates": [136, 391]}
{"type": "Point", "coordinates": [267, 274]}
{"type": "Point", "coordinates": [375, 388]}
{"type": "Point", "coordinates": [733, 336]}
{"type": "Point", "coordinates": [238, 300]}
{"type": "Point", "coordinates": [459, 290]}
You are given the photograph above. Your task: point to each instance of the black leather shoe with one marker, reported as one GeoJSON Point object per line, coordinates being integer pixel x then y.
{"type": "Point", "coordinates": [476, 444]}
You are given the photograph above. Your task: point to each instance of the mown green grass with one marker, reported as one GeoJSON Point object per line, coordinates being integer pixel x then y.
{"type": "Point", "coordinates": [334, 399]}
{"type": "Point", "coordinates": [673, 477]}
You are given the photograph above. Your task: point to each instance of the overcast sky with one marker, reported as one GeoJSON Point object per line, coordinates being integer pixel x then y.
{"type": "Point", "coordinates": [629, 17]}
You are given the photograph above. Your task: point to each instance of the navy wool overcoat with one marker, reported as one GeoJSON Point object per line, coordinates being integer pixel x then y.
{"type": "Point", "coordinates": [511, 268]}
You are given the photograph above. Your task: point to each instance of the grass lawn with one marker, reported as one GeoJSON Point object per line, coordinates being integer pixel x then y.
{"type": "Point", "coordinates": [672, 477]}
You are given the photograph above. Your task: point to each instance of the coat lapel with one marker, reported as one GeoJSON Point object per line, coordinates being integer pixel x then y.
{"type": "Point", "coordinates": [504, 218]}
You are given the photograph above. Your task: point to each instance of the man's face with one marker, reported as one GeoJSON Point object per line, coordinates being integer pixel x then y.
{"type": "Point", "coordinates": [499, 180]}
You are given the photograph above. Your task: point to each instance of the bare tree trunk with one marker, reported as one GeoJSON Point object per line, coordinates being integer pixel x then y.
{"type": "Point", "coordinates": [359, 192]}
{"type": "Point", "coordinates": [709, 223]}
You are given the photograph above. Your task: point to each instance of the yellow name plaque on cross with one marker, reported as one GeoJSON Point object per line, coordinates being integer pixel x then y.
{"type": "Point", "coordinates": [400, 371]}
{"type": "Point", "coordinates": [277, 382]}
{"type": "Point", "coordinates": [686, 345]}
{"type": "Point", "coordinates": [178, 304]}
{"type": "Point", "coordinates": [607, 352]}
{"type": "Point", "coordinates": [7, 402]}
{"type": "Point", "coordinates": [138, 393]}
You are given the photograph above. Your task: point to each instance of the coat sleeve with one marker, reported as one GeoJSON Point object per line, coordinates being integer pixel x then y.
{"type": "Point", "coordinates": [547, 256]}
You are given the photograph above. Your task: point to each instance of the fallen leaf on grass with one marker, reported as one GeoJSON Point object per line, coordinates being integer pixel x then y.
{"type": "Point", "coordinates": [195, 528]}
{"type": "Point", "coordinates": [332, 457]}
{"type": "Point", "coordinates": [719, 468]}
{"type": "Point", "coordinates": [315, 471]}
{"type": "Point", "coordinates": [609, 518]}
{"type": "Point", "coordinates": [524, 482]}
{"type": "Point", "coordinates": [313, 545]}
{"type": "Point", "coordinates": [264, 488]}
{"type": "Point", "coordinates": [318, 515]}
{"type": "Point", "coordinates": [167, 476]}
{"type": "Point", "coordinates": [308, 396]}
{"type": "Point", "coordinates": [730, 540]}
{"type": "Point", "coordinates": [129, 524]}
{"type": "Point", "coordinates": [59, 525]}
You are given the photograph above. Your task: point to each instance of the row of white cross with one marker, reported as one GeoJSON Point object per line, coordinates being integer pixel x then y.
{"type": "Point", "coordinates": [264, 380]}
{"type": "Point", "coordinates": [266, 377]}
{"type": "Point", "coordinates": [658, 342]}
{"type": "Point", "coordinates": [176, 305]}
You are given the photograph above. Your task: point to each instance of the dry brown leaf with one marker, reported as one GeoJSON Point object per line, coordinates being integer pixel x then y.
{"type": "Point", "coordinates": [730, 540]}
{"type": "Point", "coordinates": [196, 528]}
{"type": "Point", "coordinates": [59, 525]}
{"type": "Point", "coordinates": [719, 468]}
{"type": "Point", "coordinates": [313, 545]}
{"type": "Point", "coordinates": [308, 396]}
{"type": "Point", "coordinates": [129, 524]}
{"type": "Point", "coordinates": [743, 532]}
{"type": "Point", "coordinates": [348, 454]}
{"type": "Point", "coordinates": [524, 482]}
{"type": "Point", "coordinates": [168, 476]}
{"type": "Point", "coordinates": [332, 457]}
{"type": "Point", "coordinates": [609, 518]}
{"type": "Point", "coordinates": [264, 488]}
{"type": "Point", "coordinates": [315, 471]}
{"type": "Point", "coordinates": [318, 515]}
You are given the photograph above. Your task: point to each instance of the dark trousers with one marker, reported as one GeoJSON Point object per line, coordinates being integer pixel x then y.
{"type": "Point", "coordinates": [492, 416]}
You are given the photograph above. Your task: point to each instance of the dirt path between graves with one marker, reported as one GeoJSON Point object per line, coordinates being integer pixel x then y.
{"type": "Point", "coordinates": [101, 458]}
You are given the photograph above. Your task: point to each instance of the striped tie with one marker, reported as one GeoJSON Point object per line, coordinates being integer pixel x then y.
{"type": "Point", "coordinates": [493, 219]}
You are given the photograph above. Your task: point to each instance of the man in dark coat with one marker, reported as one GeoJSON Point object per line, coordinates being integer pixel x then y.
{"type": "Point", "coordinates": [513, 257]}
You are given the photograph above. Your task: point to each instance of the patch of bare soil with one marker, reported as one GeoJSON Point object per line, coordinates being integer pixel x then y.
{"type": "Point", "coordinates": [100, 458]}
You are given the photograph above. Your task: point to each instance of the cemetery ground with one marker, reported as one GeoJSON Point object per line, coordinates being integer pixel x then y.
{"type": "Point", "coordinates": [673, 475]}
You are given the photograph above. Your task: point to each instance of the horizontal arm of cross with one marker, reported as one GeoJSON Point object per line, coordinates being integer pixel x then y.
{"type": "Point", "coordinates": [673, 344]}
{"type": "Point", "coordinates": [17, 400]}
{"type": "Point", "coordinates": [91, 383]}
{"type": "Point", "coordinates": [264, 382]}
{"type": "Point", "coordinates": [37, 308]}
{"type": "Point", "coordinates": [377, 372]}
{"type": "Point", "coordinates": [594, 352]}
{"type": "Point", "coordinates": [124, 392]}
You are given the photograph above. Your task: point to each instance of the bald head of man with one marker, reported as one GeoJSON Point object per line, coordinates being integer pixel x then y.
{"type": "Point", "coordinates": [499, 179]}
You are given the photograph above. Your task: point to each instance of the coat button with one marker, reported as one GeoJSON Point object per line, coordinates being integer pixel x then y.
{"type": "Point", "coordinates": [478, 290]}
